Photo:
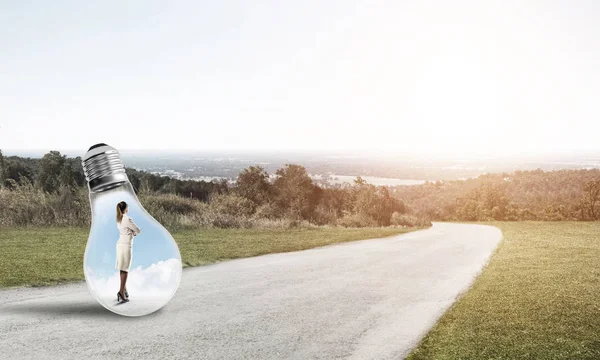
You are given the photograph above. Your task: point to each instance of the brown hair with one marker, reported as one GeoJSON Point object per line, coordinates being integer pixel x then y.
{"type": "Point", "coordinates": [120, 209]}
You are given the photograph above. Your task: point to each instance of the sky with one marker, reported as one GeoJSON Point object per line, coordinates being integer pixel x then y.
{"type": "Point", "coordinates": [452, 77]}
{"type": "Point", "coordinates": [153, 245]}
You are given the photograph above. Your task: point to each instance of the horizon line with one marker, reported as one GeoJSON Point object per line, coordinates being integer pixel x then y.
{"type": "Point", "coordinates": [322, 151]}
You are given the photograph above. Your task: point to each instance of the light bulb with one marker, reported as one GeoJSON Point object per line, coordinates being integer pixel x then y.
{"type": "Point", "coordinates": [154, 264]}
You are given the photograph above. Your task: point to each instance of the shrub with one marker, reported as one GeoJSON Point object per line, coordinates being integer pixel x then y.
{"type": "Point", "coordinates": [357, 220]}
{"type": "Point", "coordinates": [324, 216]}
{"type": "Point", "coordinates": [168, 202]}
{"type": "Point", "coordinates": [232, 205]}
{"type": "Point", "coordinates": [26, 205]}
{"type": "Point", "coordinates": [281, 224]}
{"type": "Point", "coordinates": [267, 211]}
{"type": "Point", "coordinates": [409, 220]}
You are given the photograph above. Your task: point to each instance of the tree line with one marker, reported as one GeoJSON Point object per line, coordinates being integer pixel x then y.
{"type": "Point", "coordinates": [521, 195]}
{"type": "Point", "coordinates": [56, 184]}
{"type": "Point", "coordinates": [51, 190]}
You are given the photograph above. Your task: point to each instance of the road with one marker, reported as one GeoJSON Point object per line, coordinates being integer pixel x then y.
{"type": "Point", "coordinates": [371, 299]}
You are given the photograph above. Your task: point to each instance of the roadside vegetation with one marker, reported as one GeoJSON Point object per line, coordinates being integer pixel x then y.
{"type": "Point", "coordinates": [522, 195]}
{"type": "Point", "coordinates": [51, 191]}
{"type": "Point", "coordinates": [33, 256]}
{"type": "Point", "coordinates": [536, 299]}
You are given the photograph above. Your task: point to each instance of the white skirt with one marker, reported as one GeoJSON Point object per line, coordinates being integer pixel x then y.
{"type": "Point", "coordinates": [124, 246]}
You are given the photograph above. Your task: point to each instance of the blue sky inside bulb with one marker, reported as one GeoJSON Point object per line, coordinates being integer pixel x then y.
{"type": "Point", "coordinates": [155, 270]}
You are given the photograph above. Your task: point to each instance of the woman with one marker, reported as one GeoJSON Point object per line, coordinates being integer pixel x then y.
{"type": "Point", "coordinates": [127, 230]}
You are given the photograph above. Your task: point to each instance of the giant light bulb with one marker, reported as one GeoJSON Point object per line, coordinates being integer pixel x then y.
{"type": "Point", "coordinates": [155, 267]}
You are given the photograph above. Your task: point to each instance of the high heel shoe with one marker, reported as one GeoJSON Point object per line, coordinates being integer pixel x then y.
{"type": "Point", "coordinates": [120, 297]}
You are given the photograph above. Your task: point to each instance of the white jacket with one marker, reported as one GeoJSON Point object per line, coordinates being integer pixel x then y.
{"type": "Point", "coordinates": [128, 227]}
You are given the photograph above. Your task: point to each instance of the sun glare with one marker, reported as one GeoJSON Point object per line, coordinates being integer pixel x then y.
{"type": "Point", "coordinates": [457, 100]}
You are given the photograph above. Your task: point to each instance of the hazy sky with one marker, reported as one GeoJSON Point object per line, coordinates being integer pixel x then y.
{"type": "Point", "coordinates": [446, 76]}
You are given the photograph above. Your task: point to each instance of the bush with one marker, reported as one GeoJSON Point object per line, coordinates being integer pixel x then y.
{"type": "Point", "coordinates": [220, 220]}
{"type": "Point", "coordinates": [357, 220]}
{"type": "Point", "coordinates": [172, 211]}
{"type": "Point", "coordinates": [281, 224]}
{"type": "Point", "coordinates": [232, 205]}
{"type": "Point", "coordinates": [26, 205]}
{"type": "Point", "coordinates": [267, 211]}
{"type": "Point", "coordinates": [23, 204]}
{"type": "Point", "coordinates": [324, 216]}
{"type": "Point", "coordinates": [408, 220]}
{"type": "Point", "coordinates": [169, 203]}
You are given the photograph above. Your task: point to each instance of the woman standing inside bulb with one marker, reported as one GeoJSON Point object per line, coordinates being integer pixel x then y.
{"type": "Point", "coordinates": [127, 230]}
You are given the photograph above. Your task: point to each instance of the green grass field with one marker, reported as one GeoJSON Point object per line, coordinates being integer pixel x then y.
{"type": "Point", "coordinates": [539, 298]}
{"type": "Point", "coordinates": [47, 256]}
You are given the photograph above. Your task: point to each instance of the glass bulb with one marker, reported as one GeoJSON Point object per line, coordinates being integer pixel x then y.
{"type": "Point", "coordinates": [155, 262]}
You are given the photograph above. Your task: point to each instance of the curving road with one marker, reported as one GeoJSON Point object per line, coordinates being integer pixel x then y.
{"type": "Point", "coordinates": [371, 299]}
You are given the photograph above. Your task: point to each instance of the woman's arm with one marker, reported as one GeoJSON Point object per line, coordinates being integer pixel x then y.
{"type": "Point", "coordinates": [136, 230]}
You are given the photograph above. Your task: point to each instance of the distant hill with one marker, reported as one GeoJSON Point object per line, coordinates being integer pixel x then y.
{"type": "Point", "coordinates": [227, 164]}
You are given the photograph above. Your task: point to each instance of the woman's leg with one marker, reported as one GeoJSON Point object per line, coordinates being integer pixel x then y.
{"type": "Point", "coordinates": [123, 281]}
{"type": "Point", "coordinates": [126, 275]}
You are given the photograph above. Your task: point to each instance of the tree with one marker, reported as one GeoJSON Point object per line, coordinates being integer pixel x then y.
{"type": "Point", "coordinates": [493, 196]}
{"type": "Point", "coordinates": [134, 179]}
{"type": "Point", "coordinates": [2, 170]}
{"type": "Point", "coordinates": [18, 172]}
{"type": "Point", "coordinates": [389, 205]}
{"type": "Point", "coordinates": [295, 191]}
{"type": "Point", "coordinates": [253, 184]}
{"type": "Point", "coordinates": [376, 203]}
{"type": "Point", "coordinates": [150, 183]}
{"type": "Point", "coordinates": [49, 178]}
{"type": "Point", "coordinates": [360, 181]}
{"type": "Point", "coordinates": [591, 198]}
{"type": "Point", "coordinates": [77, 169]}
{"type": "Point", "coordinates": [366, 201]}
{"type": "Point", "coordinates": [469, 210]}
{"type": "Point", "coordinates": [334, 202]}
{"type": "Point", "coordinates": [67, 177]}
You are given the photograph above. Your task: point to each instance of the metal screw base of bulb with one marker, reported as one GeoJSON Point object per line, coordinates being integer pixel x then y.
{"type": "Point", "coordinates": [103, 168]}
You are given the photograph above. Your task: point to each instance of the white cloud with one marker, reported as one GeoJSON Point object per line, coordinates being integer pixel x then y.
{"type": "Point", "coordinates": [149, 288]}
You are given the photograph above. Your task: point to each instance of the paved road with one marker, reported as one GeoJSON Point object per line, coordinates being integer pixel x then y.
{"type": "Point", "coordinates": [369, 299]}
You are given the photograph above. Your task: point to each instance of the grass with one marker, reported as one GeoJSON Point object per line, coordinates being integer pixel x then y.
{"type": "Point", "coordinates": [37, 256]}
{"type": "Point", "coordinates": [538, 298]}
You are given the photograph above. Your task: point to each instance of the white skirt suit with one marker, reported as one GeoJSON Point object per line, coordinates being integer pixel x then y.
{"type": "Point", "coordinates": [127, 229]}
